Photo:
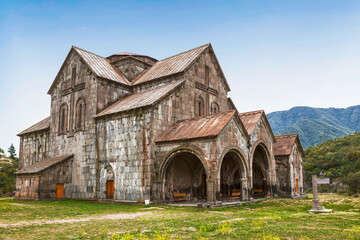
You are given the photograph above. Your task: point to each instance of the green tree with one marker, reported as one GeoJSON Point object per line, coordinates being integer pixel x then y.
{"type": "Point", "coordinates": [353, 182]}
{"type": "Point", "coordinates": [1, 150]}
{"type": "Point", "coordinates": [12, 151]}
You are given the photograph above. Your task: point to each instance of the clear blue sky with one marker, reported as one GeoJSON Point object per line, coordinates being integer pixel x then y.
{"type": "Point", "coordinates": [275, 54]}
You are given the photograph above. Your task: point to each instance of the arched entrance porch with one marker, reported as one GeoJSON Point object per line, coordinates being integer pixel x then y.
{"type": "Point", "coordinates": [232, 177]}
{"type": "Point", "coordinates": [184, 178]}
{"type": "Point", "coordinates": [260, 169]}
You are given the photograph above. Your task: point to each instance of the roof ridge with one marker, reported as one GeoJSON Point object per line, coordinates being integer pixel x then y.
{"type": "Point", "coordinates": [130, 54]}
{"type": "Point", "coordinates": [172, 85]}
{"type": "Point", "coordinates": [287, 135]}
{"type": "Point", "coordinates": [207, 44]}
{"type": "Point", "coordinates": [87, 51]}
{"type": "Point", "coordinates": [118, 72]}
{"type": "Point", "coordinates": [205, 116]}
{"type": "Point", "coordinates": [251, 112]}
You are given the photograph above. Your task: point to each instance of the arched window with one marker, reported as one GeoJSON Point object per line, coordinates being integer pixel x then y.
{"type": "Point", "coordinates": [214, 107]}
{"type": "Point", "coordinates": [80, 114]}
{"type": "Point", "coordinates": [199, 107]}
{"type": "Point", "coordinates": [63, 116]}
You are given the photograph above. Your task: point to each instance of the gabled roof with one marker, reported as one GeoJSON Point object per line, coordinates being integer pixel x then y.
{"type": "Point", "coordinates": [43, 165]}
{"type": "Point", "coordinates": [251, 119]}
{"type": "Point", "coordinates": [200, 127]}
{"type": "Point", "coordinates": [140, 99]}
{"type": "Point", "coordinates": [100, 66]}
{"type": "Point", "coordinates": [171, 65]}
{"type": "Point", "coordinates": [42, 125]}
{"type": "Point", "coordinates": [285, 143]}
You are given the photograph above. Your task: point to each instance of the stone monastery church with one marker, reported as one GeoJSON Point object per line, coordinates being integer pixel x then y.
{"type": "Point", "coordinates": [132, 128]}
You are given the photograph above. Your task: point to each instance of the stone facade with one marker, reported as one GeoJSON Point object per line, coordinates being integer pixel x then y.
{"type": "Point", "coordinates": [289, 167]}
{"type": "Point", "coordinates": [114, 115]}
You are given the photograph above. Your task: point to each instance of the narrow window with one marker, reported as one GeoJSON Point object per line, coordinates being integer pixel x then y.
{"type": "Point", "coordinates": [73, 74]}
{"type": "Point", "coordinates": [207, 75]}
{"type": "Point", "coordinates": [80, 115]}
{"type": "Point", "coordinates": [63, 120]}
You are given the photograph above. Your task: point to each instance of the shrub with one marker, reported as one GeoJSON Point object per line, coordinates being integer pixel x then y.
{"type": "Point", "coordinates": [353, 182]}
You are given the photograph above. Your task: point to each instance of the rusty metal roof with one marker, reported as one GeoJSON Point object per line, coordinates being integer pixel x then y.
{"type": "Point", "coordinates": [250, 119]}
{"type": "Point", "coordinates": [140, 99]}
{"type": "Point", "coordinates": [43, 165]}
{"type": "Point", "coordinates": [285, 143]}
{"type": "Point", "coordinates": [42, 125]}
{"type": "Point", "coordinates": [101, 66]}
{"type": "Point", "coordinates": [200, 127]}
{"type": "Point", "coordinates": [170, 65]}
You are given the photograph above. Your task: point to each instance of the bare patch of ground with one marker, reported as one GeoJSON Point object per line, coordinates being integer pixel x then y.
{"type": "Point", "coordinates": [151, 208]}
{"type": "Point", "coordinates": [18, 204]}
{"type": "Point", "coordinates": [103, 217]}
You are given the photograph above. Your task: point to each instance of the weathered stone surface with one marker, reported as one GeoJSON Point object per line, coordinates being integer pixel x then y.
{"type": "Point", "coordinates": [120, 148]}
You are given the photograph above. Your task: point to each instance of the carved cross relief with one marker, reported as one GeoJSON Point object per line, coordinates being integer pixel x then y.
{"type": "Point", "coordinates": [207, 89]}
{"type": "Point", "coordinates": [73, 88]}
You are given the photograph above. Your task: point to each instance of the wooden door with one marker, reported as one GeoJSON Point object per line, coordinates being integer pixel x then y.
{"type": "Point", "coordinates": [296, 185]}
{"type": "Point", "coordinates": [59, 190]}
{"type": "Point", "coordinates": [110, 189]}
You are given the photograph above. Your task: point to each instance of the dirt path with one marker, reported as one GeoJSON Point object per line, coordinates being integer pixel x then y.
{"type": "Point", "coordinates": [108, 216]}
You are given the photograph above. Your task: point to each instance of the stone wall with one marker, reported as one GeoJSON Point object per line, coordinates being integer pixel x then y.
{"type": "Point", "coordinates": [34, 147]}
{"type": "Point", "coordinates": [60, 174]}
{"type": "Point", "coordinates": [261, 136]}
{"type": "Point", "coordinates": [283, 176]}
{"type": "Point", "coordinates": [288, 170]}
{"type": "Point", "coordinates": [296, 171]}
{"type": "Point", "coordinates": [80, 142]}
{"type": "Point", "coordinates": [123, 141]}
{"type": "Point", "coordinates": [27, 187]}
{"type": "Point", "coordinates": [108, 93]}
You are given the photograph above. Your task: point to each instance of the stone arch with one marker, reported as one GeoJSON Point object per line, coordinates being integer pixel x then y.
{"type": "Point", "coordinates": [109, 182]}
{"type": "Point", "coordinates": [215, 107]}
{"type": "Point", "coordinates": [63, 118]}
{"type": "Point", "coordinates": [199, 106]}
{"type": "Point", "coordinates": [231, 173]}
{"type": "Point", "coordinates": [264, 146]}
{"type": "Point", "coordinates": [80, 114]}
{"type": "Point", "coordinates": [260, 165]}
{"type": "Point", "coordinates": [191, 149]}
{"type": "Point", "coordinates": [241, 155]}
{"type": "Point", "coordinates": [184, 170]}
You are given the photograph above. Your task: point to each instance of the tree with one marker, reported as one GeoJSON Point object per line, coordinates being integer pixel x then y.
{"type": "Point", "coordinates": [12, 151]}
{"type": "Point", "coordinates": [1, 150]}
{"type": "Point", "coordinates": [353, 182]}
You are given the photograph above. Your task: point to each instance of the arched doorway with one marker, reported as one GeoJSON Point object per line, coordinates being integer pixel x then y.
{"type": "Point", "coordinates": [109, 182]}
{"type": "Point", "coordinates": [184, 179]}
{"type": "Point", "coordinates": [232, 178]}
{"type": "Point", "coordinates": [259, 168]}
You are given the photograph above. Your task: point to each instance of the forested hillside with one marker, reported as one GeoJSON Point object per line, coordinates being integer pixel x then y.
{"type": "Point", "coordinates": [8, 166]}
{"type": "Point", "coordinates": [337, 159]}
{"type": "Point", "coordinates": [312, 124]}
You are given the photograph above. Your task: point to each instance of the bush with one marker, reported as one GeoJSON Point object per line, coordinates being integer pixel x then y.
{"type": "Point", "coordinates": [353, 182]}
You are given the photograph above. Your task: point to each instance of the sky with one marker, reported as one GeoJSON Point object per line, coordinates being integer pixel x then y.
{"type": "Point", "coordinates": [275, 54]}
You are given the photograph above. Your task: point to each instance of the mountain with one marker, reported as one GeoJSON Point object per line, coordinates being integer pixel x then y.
{"type": "Point", "coordinates": [336, 158]}
{"type": "Point", "coordinates": [313, 123]}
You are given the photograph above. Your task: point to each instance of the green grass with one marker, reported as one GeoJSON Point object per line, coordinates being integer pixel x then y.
{"type": "Point", "coordinates": [268, 219]}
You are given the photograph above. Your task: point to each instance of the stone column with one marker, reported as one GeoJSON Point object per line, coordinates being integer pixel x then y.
{"type": "Point", "coordinates": [315, 201]}
{"type": "Point", "coordinates": [211, 191]}
{"type": "Point", "coordinates": [244, 189]}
